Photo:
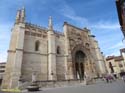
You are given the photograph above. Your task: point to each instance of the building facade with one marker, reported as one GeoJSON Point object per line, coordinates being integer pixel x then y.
{"type": "Point", "coordinates": [50, 55]}
{"type": "Point", "coordinates": [2, 70]}
{"type": "Point", "coordinates": [116, 64]}
{"type": "Point", "coordinates": [120, 5]}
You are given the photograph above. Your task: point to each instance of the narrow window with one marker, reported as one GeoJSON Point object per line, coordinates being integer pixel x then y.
{"type": "Point", "coordinates": [37, 44]}
{"type": "Point", "coordinates": [111, 67]}
{"type": "Point", "coordinates": [87, 45]}
{"type": "Point", "coordinates": [58, 50]}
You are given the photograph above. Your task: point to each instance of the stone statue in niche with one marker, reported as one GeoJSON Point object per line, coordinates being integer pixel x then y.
{"type": "Point", "coordinates": [79, 41]}
{"type": "Point", "coordinates": [33, 77]}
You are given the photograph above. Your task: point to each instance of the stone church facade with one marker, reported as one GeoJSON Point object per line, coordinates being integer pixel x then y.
{"type": "Point", "coordinates": [51, 55]}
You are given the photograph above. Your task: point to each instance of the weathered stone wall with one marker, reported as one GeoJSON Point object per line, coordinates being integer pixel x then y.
{"type": "Point", "coordinates": [76, 40]}
{"type": "Point", "coordinates": [97, 56]}
{"type": "Point", "coordinates": [94, 54]}
{"type": "Point", "coordinates": [60, 58]}
{"type": "Point", "coordinates": [60, 67]}
{"type": "Point", "coordinates": [35, 61]}
{"type": "Point", "coordinates": [11, 57]}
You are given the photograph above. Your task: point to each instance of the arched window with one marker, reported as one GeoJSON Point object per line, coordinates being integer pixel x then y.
{"type": "Point", "coordinates": [58, 50]}
{"type": "Point", "coordinates": [37, 45]}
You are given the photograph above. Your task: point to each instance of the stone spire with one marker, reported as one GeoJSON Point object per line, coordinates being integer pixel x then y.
{"type": "Point", "coordinates": [50, 24]}
{"type": "Point", "coordinates": [23, 15]}
{"type": "Point", "coordinates": [18, 16]}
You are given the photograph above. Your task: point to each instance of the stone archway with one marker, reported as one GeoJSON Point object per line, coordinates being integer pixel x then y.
{"type": "Point", "coordinates": [80, 56]}
{"type": "Point", "coordinates": [79, 65]}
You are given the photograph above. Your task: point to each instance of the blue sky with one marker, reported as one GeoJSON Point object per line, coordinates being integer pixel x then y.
{"type": "Point", "coordinates": [100, 16]}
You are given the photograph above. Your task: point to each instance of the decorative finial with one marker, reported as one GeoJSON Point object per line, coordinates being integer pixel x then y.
{"type": "Point", "coordinates": [18, 16]}
{"type": "Point", "coordinates": [50, 23]}
{"type": "Point", "coordinates": [23, 14]}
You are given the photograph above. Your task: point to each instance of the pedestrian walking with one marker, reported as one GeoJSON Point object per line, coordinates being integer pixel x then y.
{"type": "Point", "coordinates": [111, 78]}
{"type": "Point", "coordinates": [107, 78]}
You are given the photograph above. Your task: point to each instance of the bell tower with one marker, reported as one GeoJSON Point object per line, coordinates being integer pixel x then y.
{"type": "Point", "coordinates": [15, 52]}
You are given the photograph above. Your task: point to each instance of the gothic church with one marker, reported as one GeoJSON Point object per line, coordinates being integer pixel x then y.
{"type": "Point", "coordinates": [51, 55]}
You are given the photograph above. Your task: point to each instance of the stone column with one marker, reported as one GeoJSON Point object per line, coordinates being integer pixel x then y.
{"type": "Point", "coordinates": [51, 52]}
{"type": "Point", "coordinates": [65, 28]}
{"type": "Point", "coordinates": [16, 72]}
{"type": "Point", "coordinates": [15, 56]}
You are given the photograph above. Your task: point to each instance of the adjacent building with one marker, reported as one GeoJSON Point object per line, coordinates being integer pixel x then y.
{"type": "Point", "coordinates": [51, 55]}
{"type": "Point", "coordinates": [120, 4]}
{"type": "Point", "coordinates": [116, 64]}
{"type": "Point", "coordinates": [2, 70]}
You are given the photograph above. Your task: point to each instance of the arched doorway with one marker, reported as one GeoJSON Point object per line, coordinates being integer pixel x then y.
{"type": "Point", "coordinates": [79, 65]}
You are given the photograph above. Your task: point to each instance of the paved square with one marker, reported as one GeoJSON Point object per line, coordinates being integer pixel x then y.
{"type": "Point", "coordinates": [101, 87]}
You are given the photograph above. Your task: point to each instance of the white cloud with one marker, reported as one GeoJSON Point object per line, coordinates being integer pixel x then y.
{"type": "Point", "coordinates": [106, 25]}
{"type": "Point", "coordinates": [115, 52]}
{"type": "Point", "coordinates": [116, 46]}
{"type": "Point", "coordinates": [69, 12]}
{"type": "Point", "coordinates": [115, 49]}
{"type": "Point", "coordinates": [82, 21]}
{"type": "Point", "coordinates": [5, 30]}
{"type": "Point", "coordinates": [3, 56]}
